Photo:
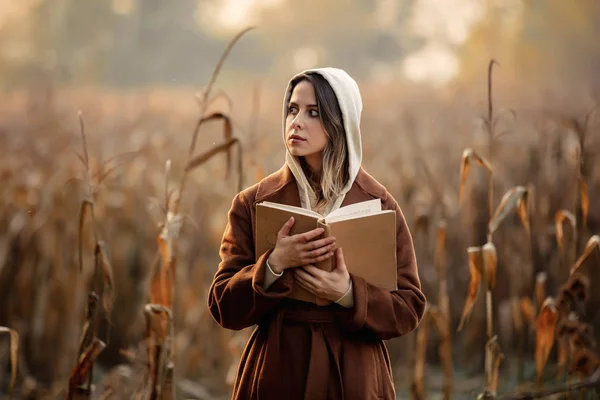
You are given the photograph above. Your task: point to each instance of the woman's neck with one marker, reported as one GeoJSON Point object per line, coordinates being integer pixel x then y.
{"type": "Point", "coordinates": [314, 165]}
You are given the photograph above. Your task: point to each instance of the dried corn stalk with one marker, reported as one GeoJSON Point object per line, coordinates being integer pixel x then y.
{"type": "Point", "coordinates": [528, 310]}
{"type": "Point", "coordinates": [540, 288]}
{"type": "Point", "coordinates": [227, 134]}
{"type": "Point", "coordinates": [476, 269]}
{"type": "Point", "coordinates": [493, 359]}
{"type": "Point", "coordinates": [159, 324]}
{"type": "Point", "coordinates": [545, 325]}
{"type": "Point", "coordinates": [442, 317]}
{"type": "Point", "coordinates": [559, 218]}
{"type": "Point", "coordinates": [496, 371]}
{"type": "Point", "coordinates": [442, 326]}
{"type": "Point", "coordinates": [585, 201]}
{"type": "Point", "coordinates": [85, 205]}
{"type": "Point", "coordinates": [82, 370]}
{"type": "Point", "coordinates": [592, 244]}
{"type": "Point", "coordinates": [468, 156]}
{"type": "Point", "coordinates": [14, 352]}
{"type": "Point", "coordinates": [421, 224]}
{"type": "Point", "coordinates": [89, 327]}
{"type": "Point", "coordinates": [517, 315]}
{"type": "Point", "coordinates": [523, 210]}
{"type": "Point", "coordinates": [514, 198]}
{"type": "Point", "coordinates": [523, 313]}
{"type": "Point", "coordinates": [490, 264]}
{"type": "Point", "coordinates": [418, 386]}
{"type": "Point", "coordinates": [108, 292]}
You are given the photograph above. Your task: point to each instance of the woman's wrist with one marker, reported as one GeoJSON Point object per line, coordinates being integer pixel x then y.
{"type": "Point", "coordinates": [347, 300]}
{"type": "Point", "coordinates": [274, 265]}
{"type": "Point", "coordinates": [341, 296]}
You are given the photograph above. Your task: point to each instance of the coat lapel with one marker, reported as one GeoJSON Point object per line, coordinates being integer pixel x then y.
{"type": "Point", "coordinates": [356, 194]}
{"type": "Point", "coordinates": [280, 187]}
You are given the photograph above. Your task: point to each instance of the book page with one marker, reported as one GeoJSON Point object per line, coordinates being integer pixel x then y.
{"type": "Point", "coordinates": [293, 209]}
{"type": "Point", "coordinates": [357, 215]}
{"type": "Point", "coordinates": [355, 210]}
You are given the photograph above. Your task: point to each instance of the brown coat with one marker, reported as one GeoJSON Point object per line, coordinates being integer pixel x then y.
{"type": "Point", "coordinates": [299, 350]}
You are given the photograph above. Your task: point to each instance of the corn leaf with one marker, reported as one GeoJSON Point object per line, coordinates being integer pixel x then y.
{"type": "Point", "coordinates": [475, 268]}
{"type": "Point", "coordinates": [86, 361]}
{"type": "Point", "coordinates": [592, 244]}
{"type": "Point", "coordinates": [468, 156]}
{"type": "Point", "coordinates": [490, 264]}
{"type": "Point", "coordinates": [14, 352]}
{"type": "Point", "coordinates": [559, 218]}
{"type": "Point", "coordinates": [510, 201]}
{"type": "Point", "coordinates": [108, 291]}
{"type": "Point", "coordinates": [545, 326]}
{"type": "Point", "coordinates": [540, 287]}
{"type": "Point", "coordinates": [523, 211]}
{"type": "Point", "coordinates": [227, 134]}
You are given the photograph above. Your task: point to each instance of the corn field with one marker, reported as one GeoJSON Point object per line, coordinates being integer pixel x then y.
{"type": "Point", "coordinates": [114, 203]}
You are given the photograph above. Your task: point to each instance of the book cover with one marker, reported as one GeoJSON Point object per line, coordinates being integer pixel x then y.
{"type": "Point", "coordinates": [366, 233]}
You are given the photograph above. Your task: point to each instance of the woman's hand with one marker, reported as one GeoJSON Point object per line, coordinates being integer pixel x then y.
{"type": "Point", "coordinates": [328, 285]}
{"type": "Point", "coordinates": [300, 249]}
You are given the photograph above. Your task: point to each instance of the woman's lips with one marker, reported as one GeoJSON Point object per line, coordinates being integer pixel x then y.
{"type": "Point", "coordinates": [294, 139]}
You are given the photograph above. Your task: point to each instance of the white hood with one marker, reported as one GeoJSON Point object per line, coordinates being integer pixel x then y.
{"type": "Point", "coordinates": [349, 99]}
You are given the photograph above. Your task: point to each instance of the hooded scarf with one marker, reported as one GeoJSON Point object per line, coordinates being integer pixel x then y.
{"type": "Point", "coordinates": [350, 102]}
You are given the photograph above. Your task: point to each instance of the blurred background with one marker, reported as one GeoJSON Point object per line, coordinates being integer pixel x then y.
{"type": "Point", "coordinates": [136, 70]}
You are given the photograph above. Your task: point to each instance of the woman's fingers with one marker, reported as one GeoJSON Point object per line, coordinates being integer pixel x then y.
{"type": "Point", "coordinates": [315, 244]}
{"type": "Point", "coordinates": [318, 251]}
{"type": "Point", "coordinates": [314, 260]}
{"type": "Point", "coordinates": [308, 236]}
{"type": "Point", "coordinates": [306, 286]}
{"type": "Point", "coordinates": [285, 229]}
{"type": "Point", "coordinates": [302, 276]}
{"type": "Point", "coordinates": [320, 258]}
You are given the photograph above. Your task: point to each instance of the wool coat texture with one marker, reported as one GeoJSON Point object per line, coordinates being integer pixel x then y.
{"type": "Point", "coordinates": [299, 350]}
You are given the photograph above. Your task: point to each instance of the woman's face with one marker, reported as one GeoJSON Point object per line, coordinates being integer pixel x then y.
{"type": "Point", "coordinates": [304, 133]}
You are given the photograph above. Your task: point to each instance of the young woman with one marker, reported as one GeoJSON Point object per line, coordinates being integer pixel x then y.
{"type": "Point", "coordinates": [299, 350]}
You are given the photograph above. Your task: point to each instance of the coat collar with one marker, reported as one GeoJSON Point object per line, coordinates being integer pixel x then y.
{"type": "Point", "coordinates": [280, 187]}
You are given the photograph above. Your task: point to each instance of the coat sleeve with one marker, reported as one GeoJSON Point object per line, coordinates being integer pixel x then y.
{"type": "Point", "coordinates": [381, 312]}
{"type": "Point", "coordinates": [236, 296]}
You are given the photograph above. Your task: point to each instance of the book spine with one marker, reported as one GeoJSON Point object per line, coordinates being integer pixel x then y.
{"type": "Point", "coordinates": [329, 264]}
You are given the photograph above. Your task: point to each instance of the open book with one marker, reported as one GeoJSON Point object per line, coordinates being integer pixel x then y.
{"type": "Point", "coordinates": [365, 232]}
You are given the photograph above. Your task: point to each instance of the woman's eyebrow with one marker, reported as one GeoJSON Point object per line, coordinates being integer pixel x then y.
{"type": "Point", "coordinates": [293, 103]}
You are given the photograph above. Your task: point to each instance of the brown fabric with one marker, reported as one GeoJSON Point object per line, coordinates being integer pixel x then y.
{"type": "Point", "coordinates": [299, 350]}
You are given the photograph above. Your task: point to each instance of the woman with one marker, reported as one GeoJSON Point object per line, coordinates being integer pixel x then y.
{"type": "Point", "coordinates": [300, 350]}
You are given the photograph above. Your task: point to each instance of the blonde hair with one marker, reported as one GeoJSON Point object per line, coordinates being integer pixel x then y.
{"type": "Point", "coordinates": [335, 172]}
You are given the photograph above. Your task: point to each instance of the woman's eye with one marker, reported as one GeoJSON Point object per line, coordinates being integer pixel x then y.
{"type": "Point", "coordinates": [292, 110]}
{"type": "Point", "coordinates": [314, 113]}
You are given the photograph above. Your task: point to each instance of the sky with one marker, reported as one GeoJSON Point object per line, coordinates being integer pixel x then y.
{"type": "Point", "coordinates": [436, 42]}
{"type": "Point", "coordinates": [435, 62]}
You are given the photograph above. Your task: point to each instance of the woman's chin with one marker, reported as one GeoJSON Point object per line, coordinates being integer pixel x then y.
{"type": "Point", "coordinates": [296, 153]}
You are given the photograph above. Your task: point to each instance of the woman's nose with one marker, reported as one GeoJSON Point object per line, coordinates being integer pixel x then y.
{"type": "Point", "coordinates": [297, 122]}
